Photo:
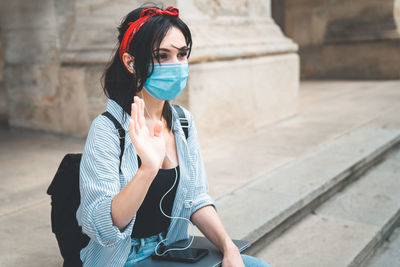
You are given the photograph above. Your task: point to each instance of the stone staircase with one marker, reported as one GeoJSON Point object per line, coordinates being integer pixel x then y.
{"type": "Point", "coordinates": [303, 184]}
{"type": "Point", "coordinates": [315, 210]}
{"type": "Point", "coordinates": [388, 254]}
{"type": "Point", "coordinates": [348, 228]}
{"type": "Point", "coordinates": [281, 212]}
{"type": "Point", "coordinates": [302, 194]}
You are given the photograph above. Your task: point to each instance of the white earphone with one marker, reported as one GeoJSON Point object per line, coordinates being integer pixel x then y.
{"type": "Point", "coordinates": [172, 217]}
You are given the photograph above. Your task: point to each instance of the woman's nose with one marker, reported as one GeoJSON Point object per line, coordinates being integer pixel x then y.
{"type": "Point", "coordinates": [175, 59]}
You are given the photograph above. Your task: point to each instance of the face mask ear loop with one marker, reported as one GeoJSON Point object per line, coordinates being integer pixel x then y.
{"type": "Point", "coordinates": [172, 217]}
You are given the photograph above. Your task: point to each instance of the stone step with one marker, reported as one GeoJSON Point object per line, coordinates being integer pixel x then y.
{"type": "Point", "coordinates": [263, 208]}
{"type": "Point", "coordinates": [348, 228]}
{"type": "Point", "coordinates": [388, 254]}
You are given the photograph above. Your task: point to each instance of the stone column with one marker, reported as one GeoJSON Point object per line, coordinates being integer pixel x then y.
{"type": "Point", "coordinates": [41, 92]}
{"type": "Point", "coordinates": [243, 71]}
{"type": "Point", "coordinates": [31, 63]}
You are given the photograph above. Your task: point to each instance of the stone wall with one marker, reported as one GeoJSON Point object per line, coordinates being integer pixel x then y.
{"type": "Point", "coordinates": [31, 63]}
{"type": "Point", "coordinates": [239, 53]}
{"type": "Point", "coordinates": [346, 39]}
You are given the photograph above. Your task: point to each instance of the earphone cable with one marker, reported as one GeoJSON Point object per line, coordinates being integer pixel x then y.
{"type": "Point", "coordinates": [172, 217]}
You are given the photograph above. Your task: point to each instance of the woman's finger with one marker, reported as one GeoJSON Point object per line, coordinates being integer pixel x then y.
{"type": "Point", "coordinates": [132, 132]}
{"type": "Point", "coordinates": [132, 112]}
{"type": "Point", "coordinates": [135, 122]}
{"type": "Point", "coordinates": [136, 100]}
{"type": "Point", "coordinates": [142, 120]}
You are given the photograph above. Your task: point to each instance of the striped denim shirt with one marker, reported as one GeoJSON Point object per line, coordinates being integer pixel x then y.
{"type": "Point", "coordinates": [100, 181]}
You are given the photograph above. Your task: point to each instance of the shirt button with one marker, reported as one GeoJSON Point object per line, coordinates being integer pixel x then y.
{"type": "Point", "coordinates": [188, 203]}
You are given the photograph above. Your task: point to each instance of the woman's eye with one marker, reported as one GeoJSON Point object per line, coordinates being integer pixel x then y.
{"type": "Point", "coordinates": [161, 56]}
{"type": "Point", "coordinates": [182, 54]}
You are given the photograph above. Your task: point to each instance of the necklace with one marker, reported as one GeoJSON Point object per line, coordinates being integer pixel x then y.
{"type": "Point", "coordinates": [169, 135]}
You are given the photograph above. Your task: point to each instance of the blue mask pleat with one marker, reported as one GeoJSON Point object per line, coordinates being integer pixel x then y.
{"type": "Point", "coordinates": [167, 80]}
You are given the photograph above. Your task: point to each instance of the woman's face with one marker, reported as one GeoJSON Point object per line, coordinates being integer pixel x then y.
{"type": "Point", "coordinates": [173, 48]}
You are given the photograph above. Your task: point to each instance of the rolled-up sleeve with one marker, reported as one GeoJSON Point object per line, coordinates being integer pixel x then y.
{"type": "Point", "coordinates": [201, 196]}
{"type": "Point", "coordinates": [99, 183]}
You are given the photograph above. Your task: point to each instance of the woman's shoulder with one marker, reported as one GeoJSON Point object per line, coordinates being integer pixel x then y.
{"type": "Point", "coordinates": [102, 128]}
{"type": "Point", "coordinates": [102, 140]}
{"type": "Point", "coordinates": [188, 114]}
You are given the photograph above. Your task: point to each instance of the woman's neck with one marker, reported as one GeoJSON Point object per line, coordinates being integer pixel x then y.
{"type": "Point", "coordinates": [153, 105]}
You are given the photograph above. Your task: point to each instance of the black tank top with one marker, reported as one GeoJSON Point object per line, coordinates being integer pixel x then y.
{"type": "Point", "coordinates": [149, 219]}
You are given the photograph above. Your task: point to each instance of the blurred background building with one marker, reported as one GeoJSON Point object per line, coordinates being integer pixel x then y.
{"type": "Point", "coordinates": [56, 50]}
{"type": "Point", "coordinates": [357, 39]}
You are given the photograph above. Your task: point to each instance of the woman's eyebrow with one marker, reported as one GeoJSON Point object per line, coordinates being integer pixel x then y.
{"type": "Point", "coordinates": [161, 49]}
{"type": "Point", "coordinates": [184, 48]}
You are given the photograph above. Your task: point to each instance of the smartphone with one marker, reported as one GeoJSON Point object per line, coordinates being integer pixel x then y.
{"type": "Point", "coordinates": [190, 255]}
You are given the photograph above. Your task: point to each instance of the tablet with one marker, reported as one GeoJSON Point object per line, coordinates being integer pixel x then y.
{"type": "Point", "coordinates": [212, 259]}
{"type": "Point", "coordinates": [190, 255]}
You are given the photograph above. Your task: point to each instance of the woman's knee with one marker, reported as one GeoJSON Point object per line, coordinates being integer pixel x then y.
{"type": "Point", "coordinates": [250, 261]}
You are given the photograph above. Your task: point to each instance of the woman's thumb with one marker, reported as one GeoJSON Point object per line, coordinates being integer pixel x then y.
{"type": "Point", "coordinates": [158, 129]}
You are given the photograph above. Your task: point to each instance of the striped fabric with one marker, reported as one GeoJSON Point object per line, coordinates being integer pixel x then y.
{"type": "Point", "coordinates": [100, 181]}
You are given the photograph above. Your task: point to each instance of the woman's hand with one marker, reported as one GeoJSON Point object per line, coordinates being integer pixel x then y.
{"type": "Point", "coordinates": [232, 258]}
{"type": "Point", "coordinates": [149, 143]}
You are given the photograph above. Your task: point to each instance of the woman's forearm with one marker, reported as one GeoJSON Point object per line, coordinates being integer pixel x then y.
{"type": "Point", "coordinates": [209, 223]}
{"type": "Point", "coordinates": [127, 202]}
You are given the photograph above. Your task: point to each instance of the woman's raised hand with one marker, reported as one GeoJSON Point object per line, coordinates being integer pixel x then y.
{"type": "Point", "coordinates": [149, 143]}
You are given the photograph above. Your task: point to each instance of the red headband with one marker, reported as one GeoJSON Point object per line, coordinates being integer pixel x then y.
{"type": "Point", "coordinates": [146, 14]}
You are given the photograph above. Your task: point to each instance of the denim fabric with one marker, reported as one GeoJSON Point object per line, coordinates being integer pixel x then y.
{"type": "Point", "coordinates": [250, 261]}
{"type": "Point", "coordinates": [142, 248]}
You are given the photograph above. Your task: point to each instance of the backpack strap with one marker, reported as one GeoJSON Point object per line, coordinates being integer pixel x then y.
{"type": "Point", "coordinates": [120, 133]}
{"type": "Point", "coordinates": [182, 119]}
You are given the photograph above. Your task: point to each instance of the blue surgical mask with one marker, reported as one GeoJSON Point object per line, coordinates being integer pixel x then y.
{"type": "Point", "coordinates": [167, 80]}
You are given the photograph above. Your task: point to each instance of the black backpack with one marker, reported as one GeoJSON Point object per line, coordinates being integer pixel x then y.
{"type": "Point", "coordinates": [65, 199]}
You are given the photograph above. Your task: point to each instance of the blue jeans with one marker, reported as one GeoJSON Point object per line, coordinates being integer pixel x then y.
{"type": "Point", "coordinates": [142, 248]}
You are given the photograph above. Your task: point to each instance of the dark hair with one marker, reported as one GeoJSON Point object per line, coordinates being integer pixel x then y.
{"type": "Point", "coordinates": [118, 83]}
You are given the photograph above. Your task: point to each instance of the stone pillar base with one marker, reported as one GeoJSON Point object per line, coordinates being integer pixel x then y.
{"type": "Point", "coordinates": [242, 95]}
{"type": "Point", "coordinates": [378, 59]}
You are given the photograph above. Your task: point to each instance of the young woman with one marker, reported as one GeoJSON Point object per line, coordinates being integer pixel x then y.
{"type": "Point", "coordinates": [120, 199]}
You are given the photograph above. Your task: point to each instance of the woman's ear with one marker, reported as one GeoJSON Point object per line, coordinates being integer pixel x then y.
{"type": "Point", "coordinates": [129, 62]}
